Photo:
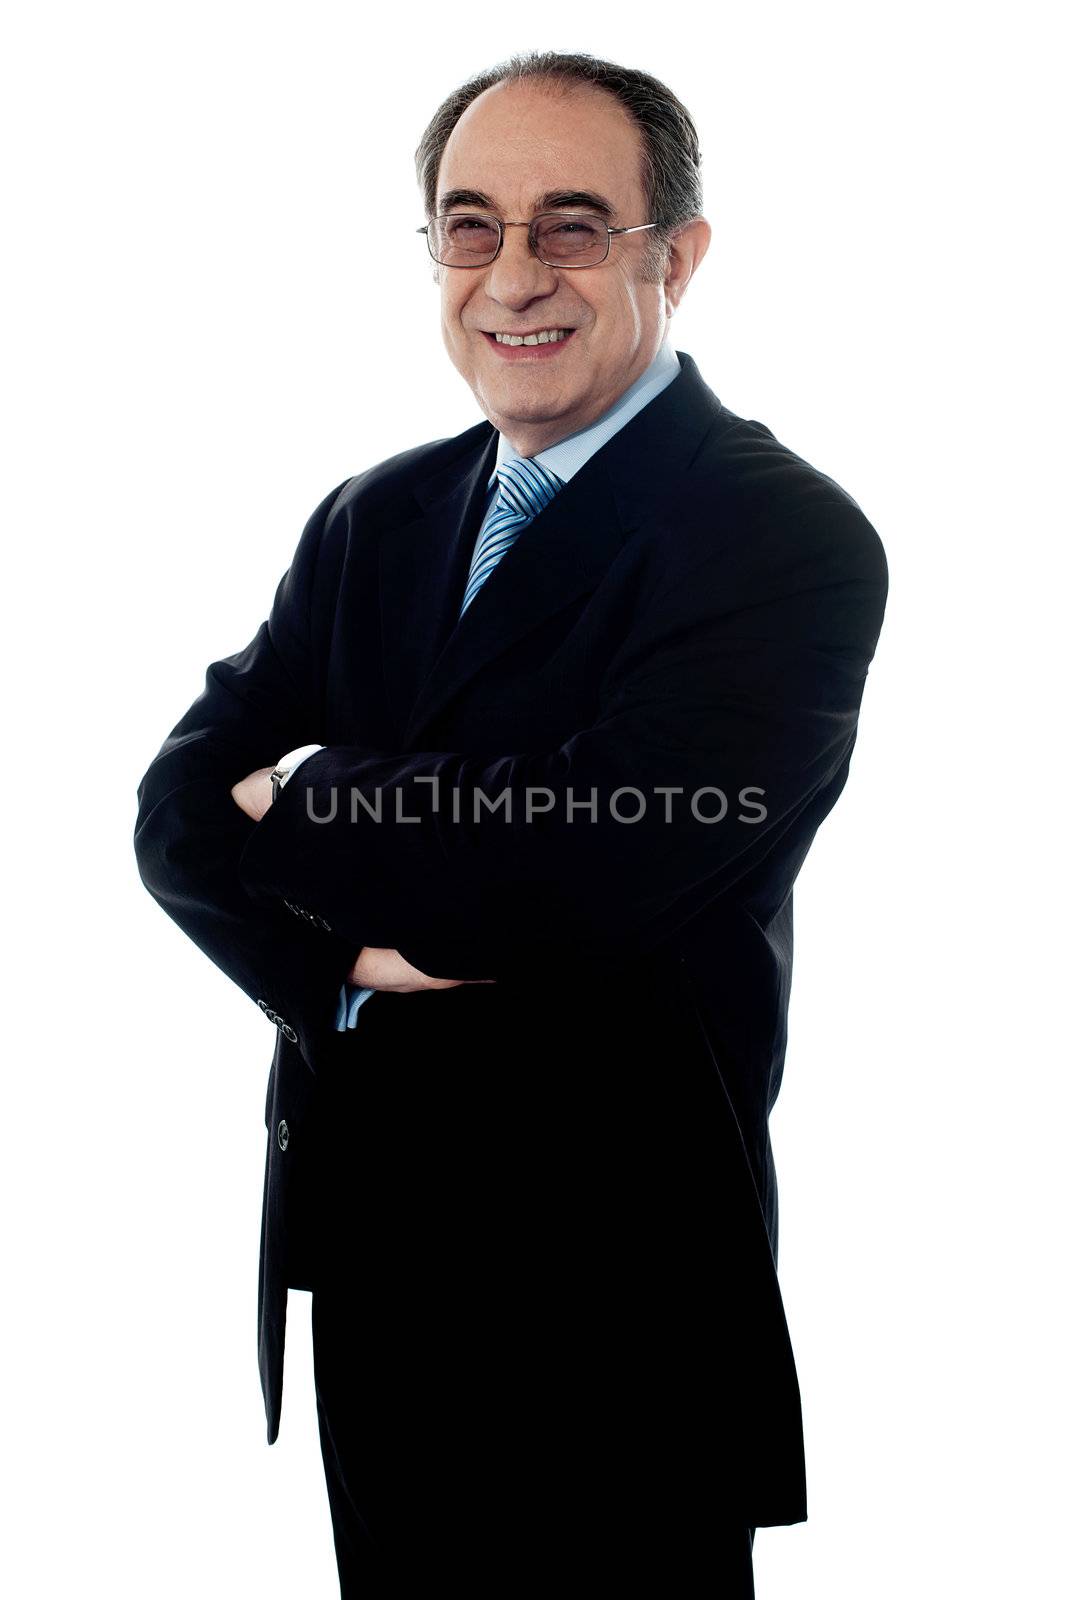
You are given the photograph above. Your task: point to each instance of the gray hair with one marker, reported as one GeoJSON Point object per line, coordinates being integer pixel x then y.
{"type": "Point", "coordinates": [671, 157]}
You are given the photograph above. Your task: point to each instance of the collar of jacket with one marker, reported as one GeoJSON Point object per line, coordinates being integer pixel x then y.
{"type": "Point", "coordinates": [429, 655]}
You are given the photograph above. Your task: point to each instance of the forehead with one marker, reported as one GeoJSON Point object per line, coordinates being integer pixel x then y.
{"type": "Point", "coordinates": [517, 141]}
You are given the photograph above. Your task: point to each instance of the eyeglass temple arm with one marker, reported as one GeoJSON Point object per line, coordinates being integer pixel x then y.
{"type": "Point", "coordinates": [639, 228]}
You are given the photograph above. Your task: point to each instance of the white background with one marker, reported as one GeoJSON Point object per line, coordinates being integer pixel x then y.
{"type": "Point", "coordinates": [199, 344]}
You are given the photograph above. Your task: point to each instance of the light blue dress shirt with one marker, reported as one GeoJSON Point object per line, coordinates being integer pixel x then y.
{"type": "Point", "coordinates": [565, 459]}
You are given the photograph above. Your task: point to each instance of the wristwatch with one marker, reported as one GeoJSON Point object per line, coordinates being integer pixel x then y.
{"type": "Point", "coordinates": [287, 766]}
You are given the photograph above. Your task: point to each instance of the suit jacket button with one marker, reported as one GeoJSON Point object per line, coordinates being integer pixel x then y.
{"type": "Point", "coordinates": [289, 1032]}
{"type": "Point", "coordinates": [282, 1134]}
{"type": "Point", "coordinates": [263, 1006]}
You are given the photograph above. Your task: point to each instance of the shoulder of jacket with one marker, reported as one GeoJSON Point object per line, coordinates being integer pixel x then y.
{"type": "Point", "coordinates": [389, 482]}
{"type": "Point", "coordinates": [756, 483]}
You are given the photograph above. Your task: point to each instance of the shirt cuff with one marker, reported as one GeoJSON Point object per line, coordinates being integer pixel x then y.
{"type": "Point", "coordinates": [292, 759]}
{"type": "Point", "coordinates": [352, 996]}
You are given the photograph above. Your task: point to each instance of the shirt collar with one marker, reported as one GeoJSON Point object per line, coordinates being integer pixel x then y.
{"type": "Point", "coordinates": [566, 457]}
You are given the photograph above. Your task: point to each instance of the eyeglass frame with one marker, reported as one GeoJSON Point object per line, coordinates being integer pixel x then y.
{"type": "Point", "coordinates": [490, 216]}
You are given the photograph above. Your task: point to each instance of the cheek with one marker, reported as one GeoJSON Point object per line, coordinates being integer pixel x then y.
{"type": "Point", "coordinates": [612, 311]}
{"type": "Point", "coordinates": [623, 319]}
{"type": "Point", "coordinates": [452, 305]}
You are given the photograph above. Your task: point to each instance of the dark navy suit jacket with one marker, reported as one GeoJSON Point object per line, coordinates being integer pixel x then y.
{"type": "Point", "coordinates": [696, 613]}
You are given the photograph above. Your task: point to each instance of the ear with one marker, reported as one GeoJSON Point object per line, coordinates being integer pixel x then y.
{"type": "Point", "coordinates": [687, 247]}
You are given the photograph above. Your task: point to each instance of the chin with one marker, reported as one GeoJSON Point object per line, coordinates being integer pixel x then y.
{"type": "Point", "coordinates": [507, 416]}
{"type": "Point", "coordinates": [525, 402]}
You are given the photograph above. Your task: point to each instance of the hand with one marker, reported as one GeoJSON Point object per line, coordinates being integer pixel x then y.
{"type": "Point", "coordinates": [254, 794]}
{"type": "Point", "coordinates": [386, 969]}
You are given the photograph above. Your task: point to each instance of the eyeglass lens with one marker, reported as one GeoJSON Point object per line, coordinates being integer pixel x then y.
{"type": "Point", "coordinates": [461, 239]}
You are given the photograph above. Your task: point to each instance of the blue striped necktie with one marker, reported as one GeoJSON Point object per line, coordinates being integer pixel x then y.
{"type": "Point", "coordinates": [525, 488]}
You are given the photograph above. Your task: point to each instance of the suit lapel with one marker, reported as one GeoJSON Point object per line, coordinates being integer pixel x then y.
{"type": "Point", "coordinates": [423, 567]}
{"type": "Point", "coordinates": [429, 654]}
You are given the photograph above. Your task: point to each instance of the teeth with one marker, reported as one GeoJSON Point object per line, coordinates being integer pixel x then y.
{"type": "Point", "coordinates": [548, 336]}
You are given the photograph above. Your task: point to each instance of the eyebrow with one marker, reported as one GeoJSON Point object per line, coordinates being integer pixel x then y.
{"type": "Point", "coordinates": [553, 200]}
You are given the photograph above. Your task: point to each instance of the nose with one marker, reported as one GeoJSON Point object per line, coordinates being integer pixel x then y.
{"type": "Point", "coordinates": [517, 275]}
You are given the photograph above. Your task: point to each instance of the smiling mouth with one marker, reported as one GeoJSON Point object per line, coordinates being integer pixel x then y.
{"type": "Point", "coordinates": [542, 336]}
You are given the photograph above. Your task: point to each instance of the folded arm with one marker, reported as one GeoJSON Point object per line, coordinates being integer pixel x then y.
{"type": "Point", "coordinates": [189, 836]}
{"type": "Point", "coordinates": [730, 707]}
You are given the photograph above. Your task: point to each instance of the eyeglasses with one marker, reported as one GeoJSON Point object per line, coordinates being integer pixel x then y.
{"type": "Point", "coordinates": [557, 238]}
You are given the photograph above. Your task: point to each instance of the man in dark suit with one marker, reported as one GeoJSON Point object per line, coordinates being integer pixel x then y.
{"type": "Point", "coordinates": [497, 819]}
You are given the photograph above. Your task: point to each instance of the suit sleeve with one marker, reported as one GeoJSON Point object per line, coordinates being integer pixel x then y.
{"type": "Point", "coordinates": [733, 700]}
{"type": "Point", "coordinates": [255, 706]}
